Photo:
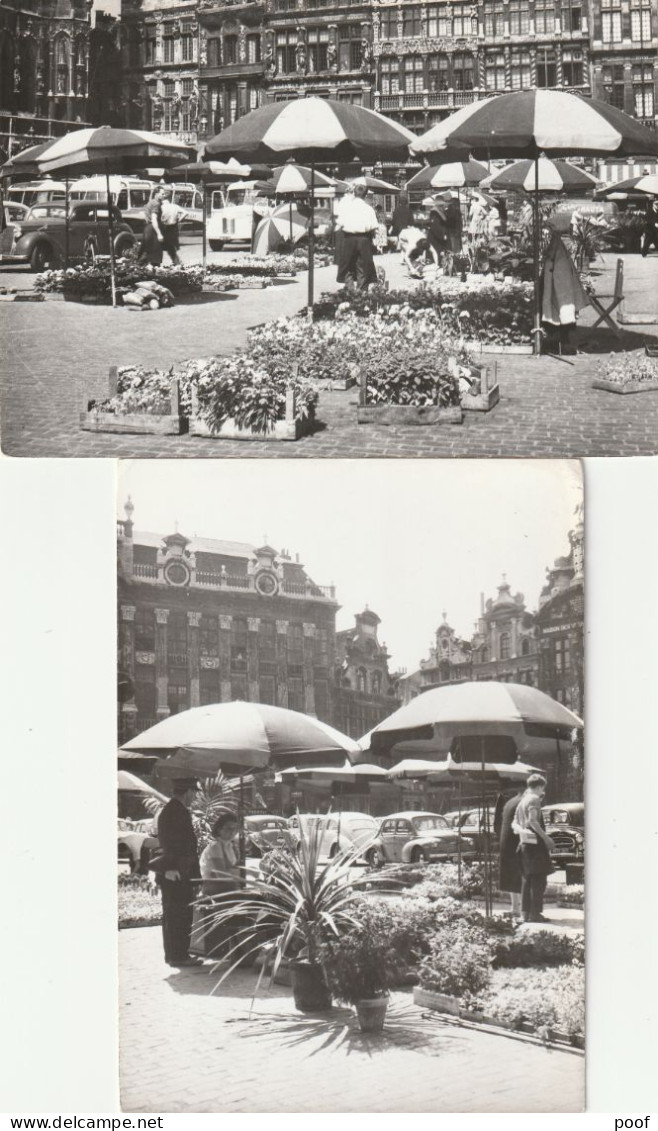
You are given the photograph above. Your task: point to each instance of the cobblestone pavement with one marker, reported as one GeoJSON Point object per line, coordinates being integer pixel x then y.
{"type": "Point", "coordinates": [183, 1050]}
{"type": "Point", "coordinates": [54, 352]}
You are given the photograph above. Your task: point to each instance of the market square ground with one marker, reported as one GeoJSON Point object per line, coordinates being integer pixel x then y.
{"type": "Point", "coordinates": [184, 1049]}
{"type": "Point", "coordinates": [53, 352]}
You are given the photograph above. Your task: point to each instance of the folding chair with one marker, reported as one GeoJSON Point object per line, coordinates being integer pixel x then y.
{"type": "Point", "coordinates": [605, 312]}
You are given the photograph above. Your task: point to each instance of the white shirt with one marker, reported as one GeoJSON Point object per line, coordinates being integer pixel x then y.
{"type": "Point", "coordinates": [356, 217]}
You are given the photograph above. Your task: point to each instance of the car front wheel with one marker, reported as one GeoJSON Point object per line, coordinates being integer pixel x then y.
{"type": "Point", "coordinates": [216, 245]}
{"type": "Point", "coordinates": [374, 858]}
{"type": "Point", "coordinates": [123, 244]}
{"type": "Point", "coordinates": [43, 257]}
{"type": "Point", "coordinates": [420, 856]}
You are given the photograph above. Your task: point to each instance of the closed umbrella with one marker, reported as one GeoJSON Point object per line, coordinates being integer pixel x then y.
{"type": "Point", "coordinates": [531, 122]}
{"type": "Point", "coordinates": [312, 130]}
{"type": "Point", "coordinates": [104, 148]}
{"type": "Point", "coordinates": [454, 174]}
{"type": "Point", "coordinates": [548, 176]}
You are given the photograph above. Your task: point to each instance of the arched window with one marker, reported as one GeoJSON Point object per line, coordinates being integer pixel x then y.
{"type": "Point", "coordinates": [484, 656]}
{"type": "Point", "coordinates": [504, 645]}
{"type": "Point", "coordinates": [361, 679]}
{"type": "Point", "coordinates": [525, 646]}
{"type": "Point", "coordinates": [62, 64]}
{"type": "Point", "coordinates": [376, 683]}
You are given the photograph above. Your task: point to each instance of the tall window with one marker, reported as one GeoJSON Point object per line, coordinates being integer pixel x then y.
{"type": "Point", "coordinates": [525, 646]}
{"type": "Point", "coordinates": [321, 648]}
{"type": "Point", "coordinates": [413, 74]}
{"type": "Point", "coordinates": [559, 656]}
{"type": "Point", "coordinates": [521, 70]}
{"type": "Point", "coordinates": [186, 48]}
{"type": "Point", "coordinates": [267, 641]}
{"type": "Point", "coordinates": [230, 48]}
{"type": "Point", "coordinates": [462, 71]}
{"type": "Point", "coordinates": [149, 50]}
{"type": "Point", "coordinates": [376, 683]}
{"type": "Point", "coordinates": [286, 41]}
{"type": "Point", "coordinates": [350, 51]}
{"type": "Point", "coordinates": [544, 17]}
{"type": "Point", "coordinates": [238, 645]}
{"type": "Point", "coordinates": [232, 102]}
{"type": "Point", "coordinates": [388, 27]}
{"type": "Point", "coordinates": [209, 686]}
{"type": "Point", "coordinates": [389, 75]}
{"type": "Point", "coordinates": [572, 66]}
{"type": "Point", "coordinates": [463, 20]}
{"type": "Point", "coordinates": [611, 21]}
{"type": "Point", "coordinates": [253, 48]}
{"type": "Point", "coordinates": [640, 21]}
{"type": "Point", "coordinates": [437, 72]}
{"type": "Point", "coordinates": [295, 645]}
{"type": "Point", "coordinates": [572, 15]}
{"type": "Point", "coordinates": [209, 636]}
{"type": "Point", "coordinates": [296, 694]}
{"type": "Point", "coordinates": [361, 679]}
{"type": "Point", "coordinates": [177, 638]}
{"type": "Point", "coordinates": [214, 52]}
{"type": "Point", "coordinates": [546, 67]}
{"type": "Point", "coordinates": [267, 686]}
{"type": "Point", "coordinates": [168, 88]}
{"type": "Point", "coordinates": [412, 21]}
{"type": "Point", "coordinates": [494, 70]}
{"type": "Point", "coordinates": [168, 49]}
{"type": "Point", "coordinates": [318, 40]}
{"type": "Point", "coordinates": [643, 90]}
{"type": "Point", "coordinates": [504, 645]}
{"type": "Point", "coordinates": [613, 85]}
{"type": "Point", "coordinates": [519, 17]}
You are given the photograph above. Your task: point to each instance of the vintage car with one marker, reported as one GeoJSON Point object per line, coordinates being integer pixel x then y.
{"type": "Point", "coordinates": [11, 217]}
{"type": "Point", "coordinates": [414, 836]}
{"type": "Point", "coordinates": [134, 841]}
{"type": "Point", "coordinates": [40, 240]}
{"type": "Point", "coordinates": [479, 828]}
{"type": "Point", "coordinates": [339, 831]}
{"type": "Point", "coordinates": [565, 824]}
{"type": "Point", "coordinates": [264, 832]}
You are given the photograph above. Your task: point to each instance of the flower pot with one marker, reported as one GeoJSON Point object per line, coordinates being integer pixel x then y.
{"type": "Point", "coordinates": [309, 987]}
{"type": "Point", "coordinates": [371, 1013]}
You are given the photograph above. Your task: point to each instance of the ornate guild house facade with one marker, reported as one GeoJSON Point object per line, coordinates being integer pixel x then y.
{"type": "Point", "coordinates": [366, 692]}
{"type": "Point", "coordinates": [161, 66]}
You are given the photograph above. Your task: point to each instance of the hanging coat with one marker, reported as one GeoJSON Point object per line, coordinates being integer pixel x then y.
{"type": "Point", "coordinates": [562, 291]}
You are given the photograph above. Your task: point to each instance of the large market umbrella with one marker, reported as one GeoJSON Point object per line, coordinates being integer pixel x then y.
{"type": "Point", "coordinates": [296, 180]}
{"type": "Point", "coordinates": [25, 163]}
{"type": "Point", "coordinates": [285, 222]}
{"type": "Point", "coordinates": [336, 777]}
{"type": "Point", "coordinates": [648, 182]}
{"type": "Point", "coordinates": [529, 123]}
{"type": "Point", "coordinates": [454, 174]}
{"type": "Point", "coordinates": [130, 783]}
{"type": "Point", "coordinates": [312, 130]}
{"type": "Point", "coordinates": [438, 773]}
{"type": "Point", "coordinates": [374, 184]}
{"type": "Point", "coordinates": [104, 149]}
{"type": "Point", "coordinates": [220, 172]}
{"type": "Point", "coordinates": [543, 176]}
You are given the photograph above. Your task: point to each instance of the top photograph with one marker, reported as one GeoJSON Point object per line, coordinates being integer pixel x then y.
{"type": "Point", "coordinates": [328, 228]}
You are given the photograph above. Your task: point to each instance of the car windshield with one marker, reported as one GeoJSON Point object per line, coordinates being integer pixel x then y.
{"type": "Point", "coordinates": [428, 824]}
{"type": "Point", "coordinates": [559, 816]}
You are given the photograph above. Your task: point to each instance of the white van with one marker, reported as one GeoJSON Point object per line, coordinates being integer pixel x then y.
{"type": "Point", "coordinates": [36, 192]}
{"type": "Point", "coordinates": [231, 213]}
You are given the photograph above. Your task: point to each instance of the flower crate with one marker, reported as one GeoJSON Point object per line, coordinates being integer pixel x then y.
{"type": "Point", "coordinates": [290, 428]}
{"type": "Point", "coordinates": [488, 349]}
{"type": "Point", "coordinates": [445, 1003]}
{"type": "Point", "coordinates": [141, 423]}
{"type": "Point", "coordinates": [625, 387]}
{"type": "Point", "coordinates": [489, 394]}
{"type": "Point", "coordinates": [403, 414]}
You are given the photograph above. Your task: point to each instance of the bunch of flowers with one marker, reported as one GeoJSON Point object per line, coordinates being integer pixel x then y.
{"type": "Point", "coordinates": [623, 368]}
{"type": "Point", "coordinates": [139, 390]}
{"type": "Point", "coordinates": [254, 265]}
{"type": "Point", "coordinates": [95, 279]}
{"type": "Point", "coordinates": [459, 960]}
{"type": "Point", "coordinates": [240, 388]}
{"type": "Point", "coordinates": [549, 1001]}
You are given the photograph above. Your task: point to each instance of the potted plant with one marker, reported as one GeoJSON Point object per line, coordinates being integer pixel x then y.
{"type": "Point", "coordinates": [294, 904]}
{"type": "Point", "coordinates": [362, 965]}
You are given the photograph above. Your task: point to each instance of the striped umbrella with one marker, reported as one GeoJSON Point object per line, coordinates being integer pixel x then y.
{"type": "Point", "coordinates": [295, 180]}
{"type": "Point", "coordinates": [286, 222]}
{"type": "Point", "coordinates": [552, 176]}
{"type": "Point", "coordinates": [455, 174]}
{"type": "Point", "coordinates": [530, 122]}
{"type": "Point", "coordinates": [312, 130]}
{"type": "Point", "coordinates": [646, 183]}
{"type": "Point", "coordinates": [374, 184]}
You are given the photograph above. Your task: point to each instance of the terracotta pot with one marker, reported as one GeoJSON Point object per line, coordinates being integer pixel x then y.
{"type": "Point", "coordinates": [309, 987]}
{"type": "Point", "coordinates": [371, 1013]}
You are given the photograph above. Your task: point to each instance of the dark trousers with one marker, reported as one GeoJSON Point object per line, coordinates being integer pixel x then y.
{"type": "Point", "coordinates": [355, 260]}
{"type": "Point", "coordinates": [171, 242]}
{"type": "Point", "coordinates": [177, 896]}
{"type": "Point", "coordinates": [535, 867]}
{"type": "Point", "coordinates": [650, 237]}
{"type": "Point", "coordinates": [150, 249]}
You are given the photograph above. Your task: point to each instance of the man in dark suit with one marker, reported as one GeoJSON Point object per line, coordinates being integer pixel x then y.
{"type": "Point", "coordinates": [176, 868]}
{"type": "Point", "coordinates": [509, 857]}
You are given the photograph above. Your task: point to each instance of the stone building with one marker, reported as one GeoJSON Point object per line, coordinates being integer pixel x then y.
{"type": "Point", "coordinates": [504, 646]}
{"type": "Point", "coordinates": [205, 621]}
{"type": "Point", "coordinates": [232, 61]}
{"type": "Point", "coordinates": [160, 66]}
{"type": "Point", "coordinates": [44, 69]}
{"type": "Point", "coordinates": [106, 102]}
{"type": "Point", "coordinates": [624, 56]}
{"type": "Point", "coordinates": [450, 660]}
{"type": "Point", "coordinates": [365, 691]}
{"type": "Point", "coordinates": [560, 625]}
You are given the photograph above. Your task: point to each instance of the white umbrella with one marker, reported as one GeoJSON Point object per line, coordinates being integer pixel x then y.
{"type": "Point", "coordinates": [129, 783]}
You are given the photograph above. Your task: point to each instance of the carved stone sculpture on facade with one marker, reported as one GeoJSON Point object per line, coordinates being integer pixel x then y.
{"type": "Point", "coordinates": [332, 57]}
{"type": "Point", "coordinates": [366, 55]}
{"type": "Point", "coordinates": [300, 58]}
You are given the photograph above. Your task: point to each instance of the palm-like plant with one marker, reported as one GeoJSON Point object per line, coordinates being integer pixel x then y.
{"type": "Point", "coordinates": [296, 906]}
{"type": "Point", "coordinates": [213, 795]}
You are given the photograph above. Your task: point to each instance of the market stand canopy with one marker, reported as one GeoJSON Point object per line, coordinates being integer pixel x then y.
{"type": "Point", "coordinates": [105, 147]}
{"type": "Point", "coordinates": [529, 122]}
{"type": "Point", "coordinates": [453, 174]}
{"type": "Point", "coordinates": [311, 130]}
{"type": "Point", "coordinates": [550, 176]}
{"type": "Point", "coordinates": [648, 182]}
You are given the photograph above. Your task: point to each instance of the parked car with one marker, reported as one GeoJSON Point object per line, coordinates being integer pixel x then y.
{"type": "Point", "coordinates": [565, 824]}
{"type": "Point", "coordinates": [411, 837]}
{"type": "Point", "coordinates": [479, 832]}
{"type": "Point", "coordinates": [264, 832]}
{"type": "Point", "coordinates": [134, 838]}
{"type": "Point", "coordinates": [12, 216]}
{"type": "Point", "coordinates": [41, 241]}
{"type": "Point", "coordinates": [339, 831]}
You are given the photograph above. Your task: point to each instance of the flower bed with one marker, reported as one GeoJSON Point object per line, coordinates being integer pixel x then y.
{"type": "Point", "coordinates": [487, 311]}
{"type": "Point", "coordinates": [140, 401]}
{"type": "Point", "coordinates": [94, 282]}
{"type": "Point", "coordinates": [139, 905]}
{"type": "Point", "coordinates": [628, 373]}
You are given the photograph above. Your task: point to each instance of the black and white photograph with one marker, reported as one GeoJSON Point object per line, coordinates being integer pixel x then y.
{"type": "Point", "coordinates": [386, 228]}
{"type": "Point", "coordinates": [351, 863]}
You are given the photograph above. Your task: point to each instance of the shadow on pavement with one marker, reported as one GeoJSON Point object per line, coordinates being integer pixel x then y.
{"type": "Point", "coordinates": [203, 981]}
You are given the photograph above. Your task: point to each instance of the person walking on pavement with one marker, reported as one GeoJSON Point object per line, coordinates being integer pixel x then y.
{"type": "Point", "coordinates": [358, 223]}
{"type": "Point", "coordinates": [176, 868]}
{"type": "Point", "coordinates": [535, 848]}
{"type": "Point", "coordinates": [171, 216]}
{"type": "Point", "coordinates": [152, 244]}
{"type": "Point", "coordinates": [650, 227]}
{"type": "Point", "coordinates": [509, 858]}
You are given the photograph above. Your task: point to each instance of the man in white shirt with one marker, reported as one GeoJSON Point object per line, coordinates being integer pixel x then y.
{"type": "Point", "coordinates": [357, 223]}
{"type": "Point", "coordinates": [535, 847]}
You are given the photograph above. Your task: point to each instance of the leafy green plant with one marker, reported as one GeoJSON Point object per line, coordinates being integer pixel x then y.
{"type": "Point", "coordinates": [95, 279]}
{"type": "Point", "coordinates": [360, 963]}
{"type": "Point", "coordinates": [623, 368]}
{"type": "Point", "coordinates": [212, 796]}
{"type": "Point", "coordinates": [459, 960]}
{"type": "Point", "coordinates": [549, 1001]}
{"type": "Point", "coordinates": [408, 374]}
{"type": "Point", "coordinates": [536, 948]}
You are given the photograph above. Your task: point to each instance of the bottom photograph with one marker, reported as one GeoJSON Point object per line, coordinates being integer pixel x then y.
{"type": "Point", "coordinates": [350, 783]}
